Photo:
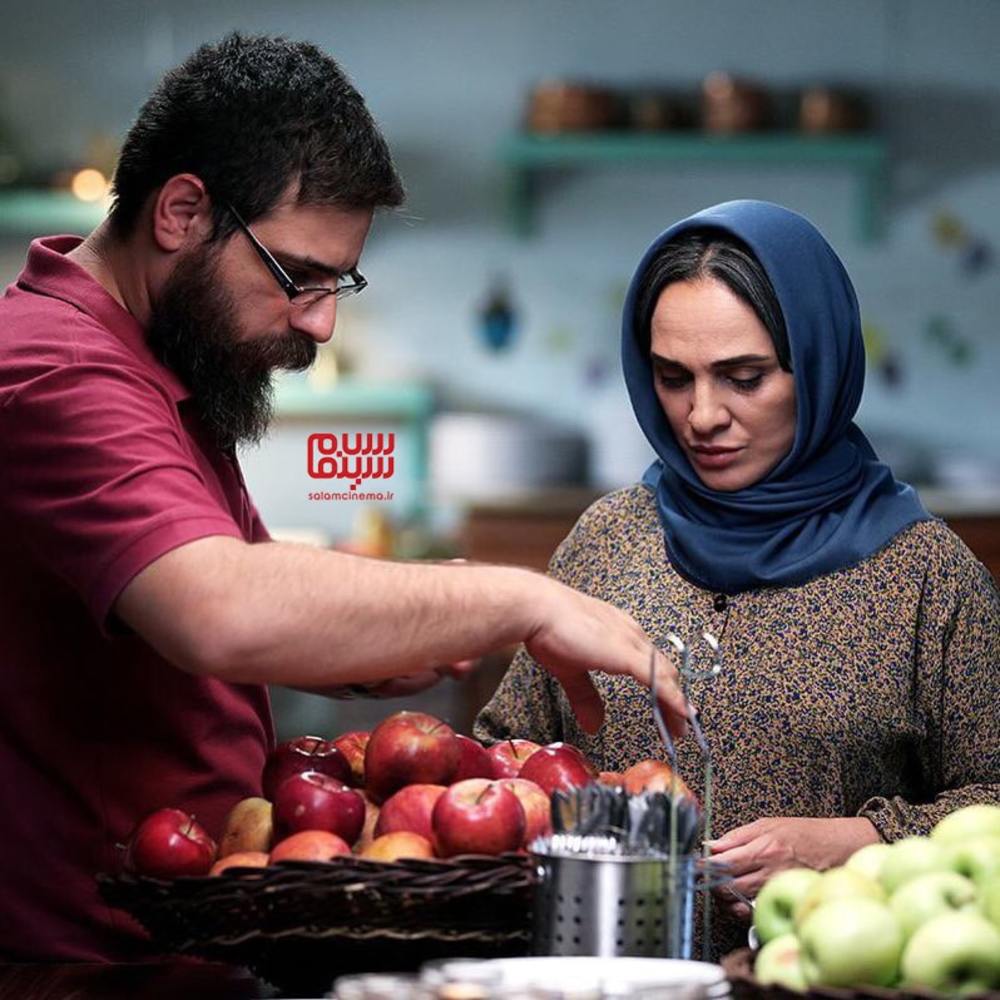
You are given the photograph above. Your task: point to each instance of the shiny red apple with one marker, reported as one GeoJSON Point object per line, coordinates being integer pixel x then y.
{"type": "Point", "coordinates": [314, 801]}
{"type": "Point", "coordinates": [509, 756]}
{"type": "Point", "coordinates": [352, 746]}
{"type": "Point", "coordinates": [409, 748]}
{"type": "Point", "coordinates": [474, 761]}
{"type": "Point", "coordinates": [169, 843]}
{"type": "Point", "coordinates": [536, 805]}
{"type": "Point", "coordinates": [478, 816]}
{"type": "Point", "coordinates": [304, 753]}
{"type": "Point", "coordinates": [557, 768]}
{"type": "Point", "coordinates": [594, 772]}
{"type": "Point", "coordinates": [410, 809]}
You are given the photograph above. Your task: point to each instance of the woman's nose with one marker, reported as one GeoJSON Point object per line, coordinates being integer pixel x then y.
{"type": "Point", "coordinates": [707, 412]}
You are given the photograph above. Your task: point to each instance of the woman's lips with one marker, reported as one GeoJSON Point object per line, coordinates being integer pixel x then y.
{"type": "Point", "coordinates": [714, 458]}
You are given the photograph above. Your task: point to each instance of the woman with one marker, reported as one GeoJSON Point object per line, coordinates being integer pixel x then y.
{"type": "Point", "coordinates": [861, 639]}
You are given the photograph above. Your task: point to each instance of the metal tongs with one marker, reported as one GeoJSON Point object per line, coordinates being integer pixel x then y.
{"type": "Point", "coordinates": [711, 875]}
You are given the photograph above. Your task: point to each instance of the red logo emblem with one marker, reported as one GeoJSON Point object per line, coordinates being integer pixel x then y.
{"type": "Point", "coordinates": [352, 456]}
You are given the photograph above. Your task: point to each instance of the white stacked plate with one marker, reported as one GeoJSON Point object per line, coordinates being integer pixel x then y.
{"type": "Point", "coordinates": [597, 977]}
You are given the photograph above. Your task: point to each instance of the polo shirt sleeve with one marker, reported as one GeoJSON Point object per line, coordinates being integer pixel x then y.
{"type": "Point", "coordinates": [99, 476]}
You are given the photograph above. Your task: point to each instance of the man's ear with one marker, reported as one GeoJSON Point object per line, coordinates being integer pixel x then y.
{"type": "Point", "coordinates": [182, 213]}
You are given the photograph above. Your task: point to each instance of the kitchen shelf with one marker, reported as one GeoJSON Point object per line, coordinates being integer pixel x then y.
{"type": "Point", "coordinates": [526, 156]}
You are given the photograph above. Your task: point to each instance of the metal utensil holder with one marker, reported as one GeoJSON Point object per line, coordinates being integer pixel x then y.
{"type": "Point", "coordinates": [592, 898]}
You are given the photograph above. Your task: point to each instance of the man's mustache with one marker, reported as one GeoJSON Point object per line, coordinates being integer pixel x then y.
{"type": "Point", "coordinates": [292, 352]}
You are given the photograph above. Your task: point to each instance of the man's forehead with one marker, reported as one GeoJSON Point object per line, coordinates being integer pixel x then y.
{"type": "Point", "coordinates": [331, 234]}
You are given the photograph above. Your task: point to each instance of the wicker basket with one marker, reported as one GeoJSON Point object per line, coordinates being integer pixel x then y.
{"type": "Point", "coordinates": [738, 966]}
{"type": "Point", "coordinates": [299, 924]}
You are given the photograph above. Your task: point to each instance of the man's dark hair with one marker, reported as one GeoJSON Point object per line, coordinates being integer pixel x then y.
{"type": "Point", "coordinates": [708, 253]}
{"type": "Point", "coordinates": [250, 116]}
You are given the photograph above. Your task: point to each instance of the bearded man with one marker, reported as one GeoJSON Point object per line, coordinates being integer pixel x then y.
{"type": "Point", "coordinates": [143, 607]}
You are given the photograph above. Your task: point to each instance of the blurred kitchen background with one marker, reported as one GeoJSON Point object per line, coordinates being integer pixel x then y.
{"type": "Point", "coordinates": [544, 143]}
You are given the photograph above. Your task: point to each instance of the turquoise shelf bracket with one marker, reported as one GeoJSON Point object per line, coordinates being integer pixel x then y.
{"type": "Point", "coordinates": [525, 157]}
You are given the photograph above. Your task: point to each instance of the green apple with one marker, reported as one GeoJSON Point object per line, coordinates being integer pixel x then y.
{"type": "Point", "coordinates": [851, 942]}
{"type": "Point", "coordinates": [928, 896]}
{"type": "Point", "coordinates": [978, 858]}
{"type": "Point", "coordinates": [989, 900]}
{"type": "Point", "coordinates": [779, 962]}
{"type": "Point", "coordinates": [910, 857]}
{"type": "Point", "coordinates": [868, 860]}
{"type": "Point", "coordinates": [957, 954]}
{"type": "Point", "coordinates": [972, 821]}
{"type": "Point", "coordinates": [777, 900]}
{"type": "Point", "coordinates": [837, 883]}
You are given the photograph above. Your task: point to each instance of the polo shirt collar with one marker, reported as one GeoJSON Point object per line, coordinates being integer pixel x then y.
{"type": "Point", "coordinates": [48, 271]}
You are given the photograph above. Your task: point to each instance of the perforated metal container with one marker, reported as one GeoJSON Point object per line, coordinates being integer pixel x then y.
{"type": "Point", "coordinates": [591, 898]}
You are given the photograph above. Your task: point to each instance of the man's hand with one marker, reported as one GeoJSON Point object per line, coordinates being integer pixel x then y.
{"type": "Point", "coordinates": [755, 852]}
{"type": "Point", "coordinates": [309, 619]}
{"type": "Point", "coordinates": [574, 630]}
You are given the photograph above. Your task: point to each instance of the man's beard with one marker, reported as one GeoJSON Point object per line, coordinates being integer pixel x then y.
{"type": "Point", "coordinates": [192, 332]}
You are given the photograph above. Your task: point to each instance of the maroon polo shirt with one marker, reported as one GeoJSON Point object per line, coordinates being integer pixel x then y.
{"type": "Point", "coordinates": [103, 469]}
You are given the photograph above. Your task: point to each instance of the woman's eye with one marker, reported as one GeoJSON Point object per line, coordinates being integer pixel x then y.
{"type": "Point", "coordinates": [746, 384]}
{"type": "Point", "coordinates": [672, 381]}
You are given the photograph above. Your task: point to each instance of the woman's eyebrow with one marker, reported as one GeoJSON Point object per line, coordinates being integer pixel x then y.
{"type": "Point", "coordinates": [740, 359]}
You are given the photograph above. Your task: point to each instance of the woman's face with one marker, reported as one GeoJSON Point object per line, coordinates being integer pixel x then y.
{"type": "Point", "coordinates": [730, 405]}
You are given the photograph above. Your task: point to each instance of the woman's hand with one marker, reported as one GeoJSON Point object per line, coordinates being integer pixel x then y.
{"type": "Point", "coordinates": [755, 852]}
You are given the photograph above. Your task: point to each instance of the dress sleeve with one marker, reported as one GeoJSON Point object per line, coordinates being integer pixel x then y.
{"type": "Point", "coordinates": [526, 704]}
{"type": "Point", "coordinates": [957, 693]}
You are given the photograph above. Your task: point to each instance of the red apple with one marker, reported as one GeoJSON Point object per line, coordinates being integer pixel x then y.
{"type": "Point", "coordinates": [401, 844]}
{"type": "Point", "coordinates": [613, 779]}
{"type": "Point", "coordinates": [509, 756]}
{"type": "Point", "coordinates": [352, 746]}
{"type": "Point", "coordinates": [169, 843]}
{"type": "Point", "coordinates": [309, 845]}
{"type": "Point", "coordinates": [409, 748]}
{"type": "Point", "coordinates": [536, 805]}
{"type": "Point", "coordinates": [410, 809]}
{"type": "Point", "coordinates": [655, 776]}
{"type": "Point", "coordinates": [474, 761]}
{"type": "Point", "coordinates": [478, 816]}
{"type": "Point", "coordinates": [240, 859]}
{"type": "Point", "coordinates": [304, 753]}
{"type": "Point", "coordinates": [594, 772]}
{"type": "Point", "coordinates": [557, 768]}
{"type": "Point", "coordinates": [314, 801]}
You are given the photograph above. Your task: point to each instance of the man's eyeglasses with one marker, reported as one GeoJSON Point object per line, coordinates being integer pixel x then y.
{"type": "Point", "coordinates": [340, 286]}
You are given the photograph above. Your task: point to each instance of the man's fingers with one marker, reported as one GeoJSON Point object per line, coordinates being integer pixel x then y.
{"type": "Point", "coordinates": [584, 699]}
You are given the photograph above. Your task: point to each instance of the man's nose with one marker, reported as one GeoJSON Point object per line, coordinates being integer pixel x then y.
{"type": "Point", "coordinates": [317, 320]}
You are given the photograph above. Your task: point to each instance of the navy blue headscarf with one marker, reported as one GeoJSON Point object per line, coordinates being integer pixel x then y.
{"type": "Point", "coordinates": [829, 503]}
